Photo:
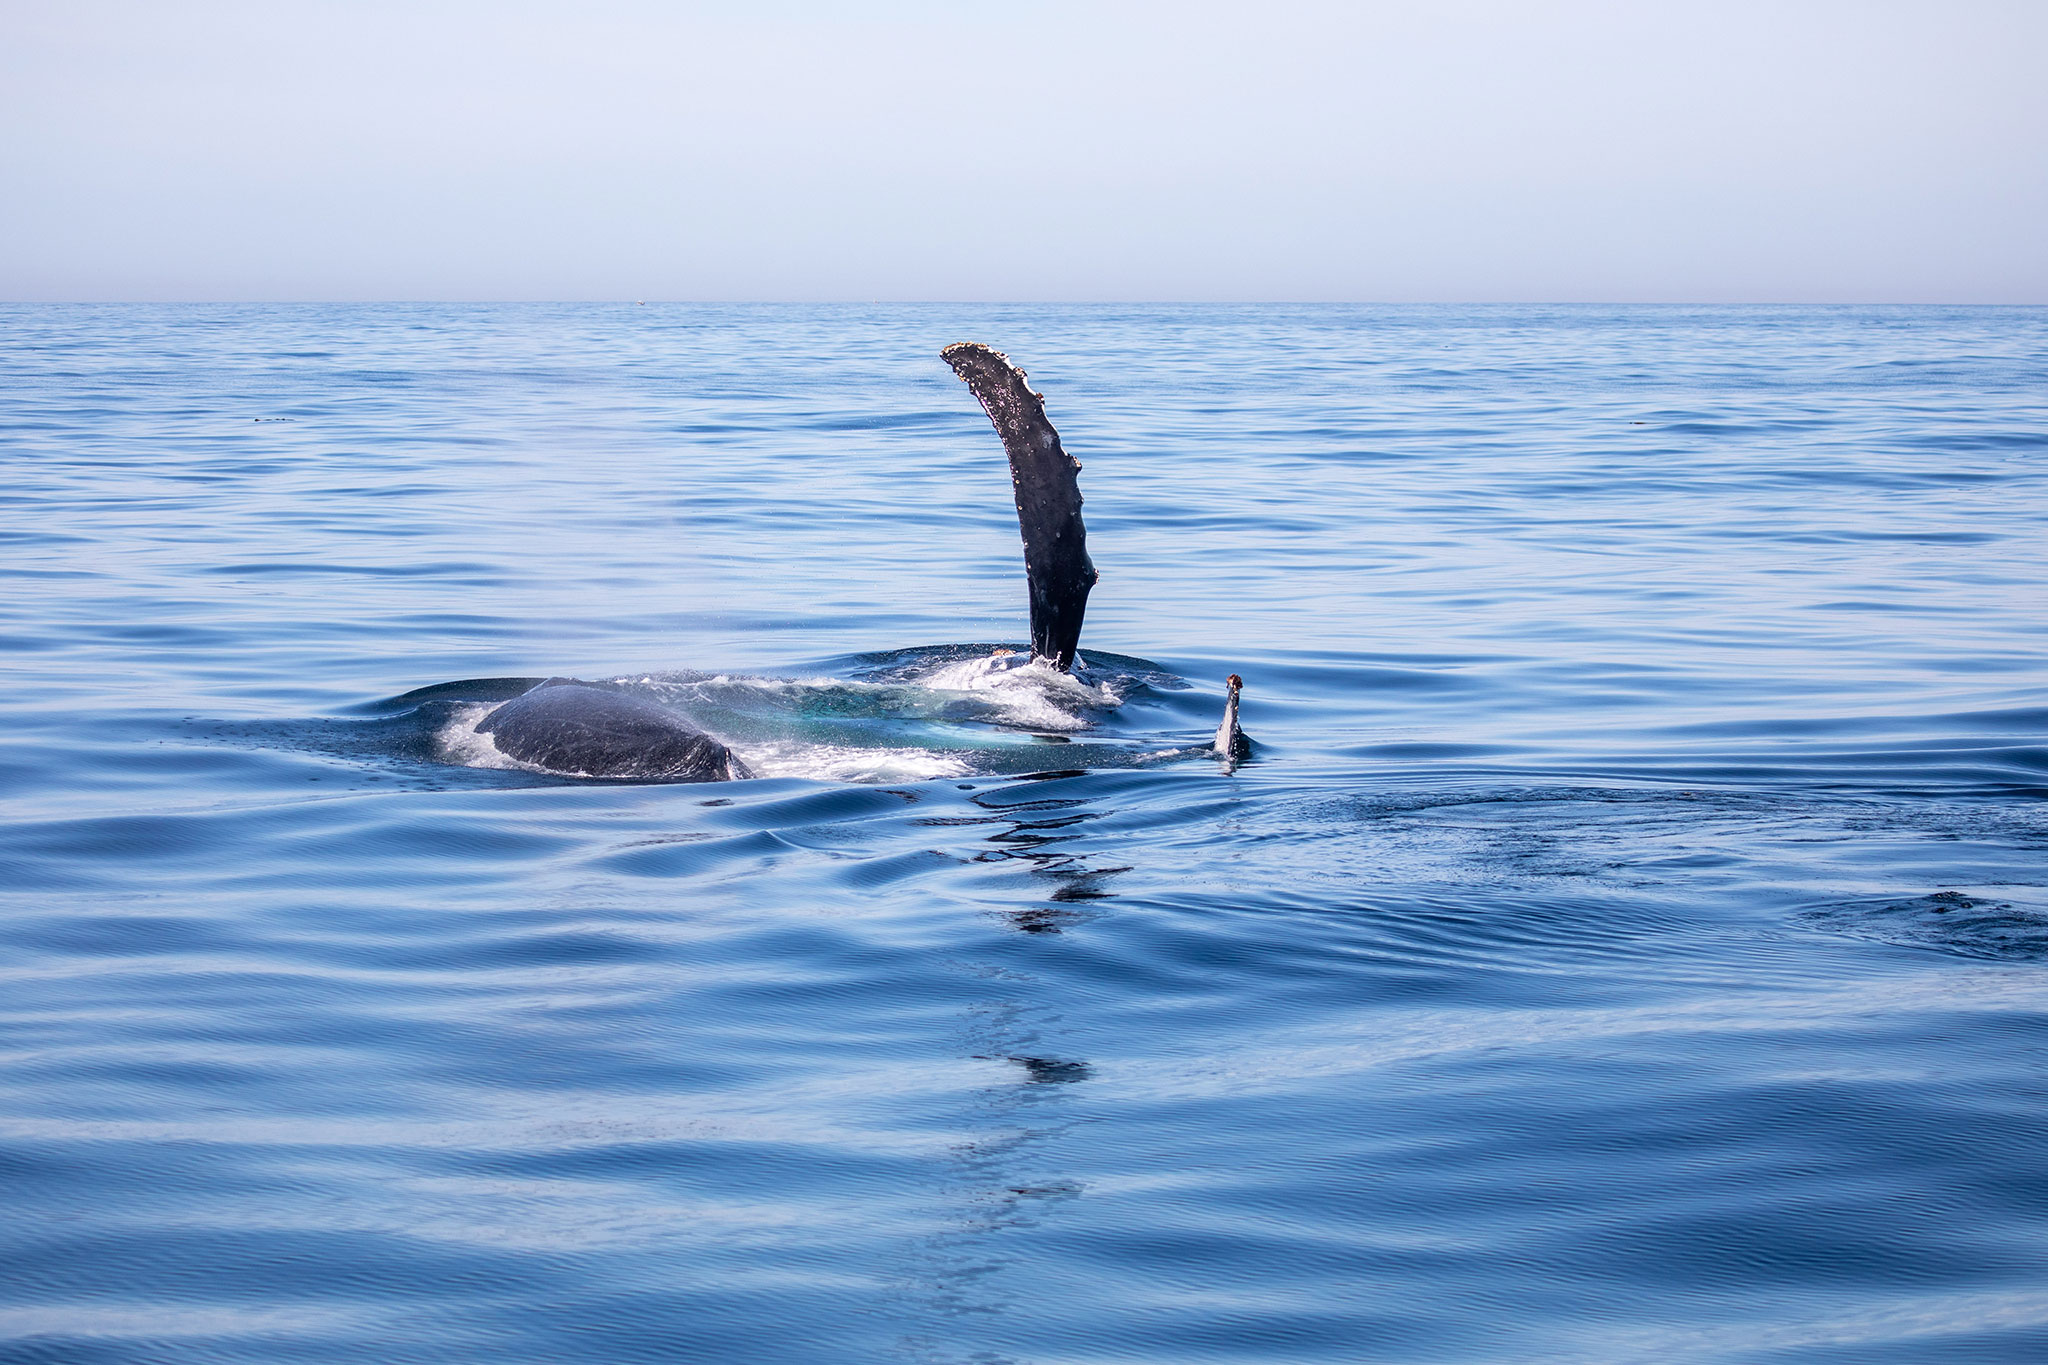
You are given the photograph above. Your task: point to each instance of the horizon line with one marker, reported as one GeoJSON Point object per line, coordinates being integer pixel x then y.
{"type": "Point", "coordinates": [1009, 303]}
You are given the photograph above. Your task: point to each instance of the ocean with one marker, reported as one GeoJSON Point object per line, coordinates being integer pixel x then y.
{"type": "Point", "coordinates": [1627, 940]}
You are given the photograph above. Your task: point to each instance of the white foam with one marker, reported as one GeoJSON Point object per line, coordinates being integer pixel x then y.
{"type": "Point", "coordinates": [1028, 693]}
{"type": "Point", "coordinates": [460, 743]}
{"type": "Point", "coordinates": [838, 763]}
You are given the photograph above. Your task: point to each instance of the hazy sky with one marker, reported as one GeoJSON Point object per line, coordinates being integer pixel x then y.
{"type": "Point", "coordinates": [1791, 150]}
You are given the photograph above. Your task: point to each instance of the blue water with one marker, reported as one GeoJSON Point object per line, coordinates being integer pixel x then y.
{"type": "Point", "coordinates": [1628, 941]}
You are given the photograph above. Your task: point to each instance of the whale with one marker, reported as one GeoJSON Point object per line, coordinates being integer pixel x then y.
{"type": "Point", "coordinates": [572, 728]}
{"type": "Point", "coordinates": [580, 729]}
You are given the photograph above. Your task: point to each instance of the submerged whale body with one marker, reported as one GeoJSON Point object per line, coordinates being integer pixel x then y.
{"type": "Point", "coordinates": [581, 729]}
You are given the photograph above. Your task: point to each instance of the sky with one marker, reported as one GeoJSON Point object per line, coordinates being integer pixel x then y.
{"type": "Point", "coordinates": [1790, 151]}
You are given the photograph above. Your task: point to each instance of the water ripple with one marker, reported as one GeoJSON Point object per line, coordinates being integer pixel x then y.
{"type": "Point", "coordinates": [1625, 942]}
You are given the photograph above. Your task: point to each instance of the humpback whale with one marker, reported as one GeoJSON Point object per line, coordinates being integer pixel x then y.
{"type": "Point", "coordinates": [600, 730]}
{"type": "Point", "coordinates": [592, 730]}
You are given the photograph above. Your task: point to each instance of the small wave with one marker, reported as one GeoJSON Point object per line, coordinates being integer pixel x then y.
{"type": "Point", "coordinates": [1950, 921]}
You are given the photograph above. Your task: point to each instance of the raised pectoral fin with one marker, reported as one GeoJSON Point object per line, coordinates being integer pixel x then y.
{"type": "Point", "coordinates": [1048, 487]}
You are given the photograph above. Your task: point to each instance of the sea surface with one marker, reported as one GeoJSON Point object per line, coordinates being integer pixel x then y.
{"type": "Point", "coordinates": [1627, 941]}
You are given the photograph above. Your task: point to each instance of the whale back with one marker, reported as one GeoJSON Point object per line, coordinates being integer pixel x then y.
{"type": "Point", "coordinates": [581, 729]}
{"type": "Point", "coordinates": [1048, 487]}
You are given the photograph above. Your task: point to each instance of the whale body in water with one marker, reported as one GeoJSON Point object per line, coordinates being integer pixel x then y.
{"type": "Point", "coordinates": [574, 728]}
{"type": "Point", "coordinates": [595, 730]}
